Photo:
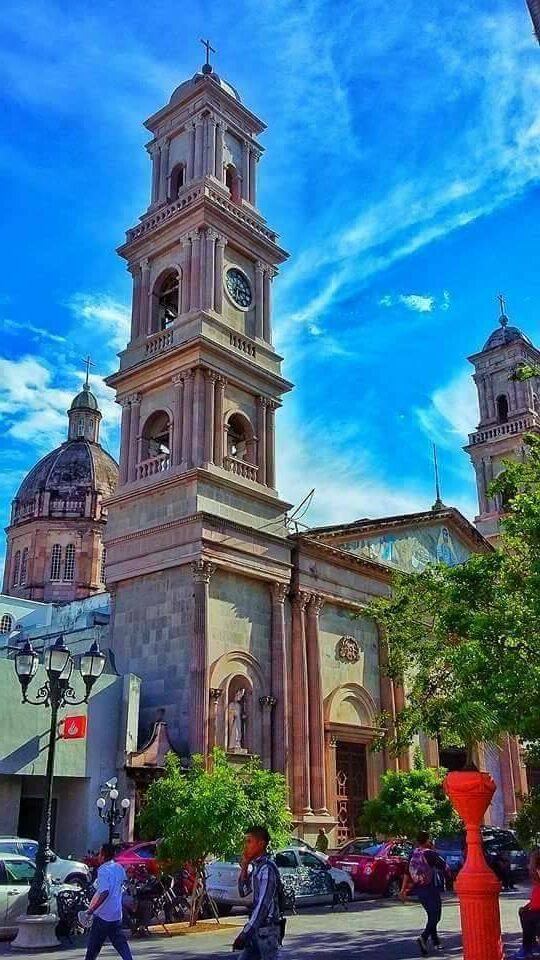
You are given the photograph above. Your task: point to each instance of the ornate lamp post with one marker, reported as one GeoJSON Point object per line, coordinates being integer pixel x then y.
{"type": "Point", "coordinates": [114, 813]}
{"type": "Point", "coordinates": [55, 693]}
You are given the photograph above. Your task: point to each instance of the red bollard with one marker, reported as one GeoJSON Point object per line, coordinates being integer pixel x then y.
{"type": "Point", "coordinates": [477, 886]}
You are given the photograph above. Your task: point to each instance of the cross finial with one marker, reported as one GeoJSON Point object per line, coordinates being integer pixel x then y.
{"type": "Point", "coordinates": [88, 362]}
{"type": "Point", "coordinates": [503, 319]}
{"type": "Point", "coordinates": [207, 68]}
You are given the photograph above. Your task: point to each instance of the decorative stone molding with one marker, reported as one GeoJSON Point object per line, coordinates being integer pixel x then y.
{"type": "Point", "coordinates": [279, 591]}
{"type": "Point", "coordinates": [134, 399]}
{"type": "Point", "coordinates": [124, 401]}
{"type": "Point", "coordinates": [301, 599]}
{"type": "Point", "coordinates": [348, 650]}
{"type": "Point", "coordinates": [202, 570]}
{"type": "Point", "coordinates": [215, 694]}
{"type": "Point", "coordinates": [316, 603]}
{"type": "Point", "coordinates": [332, 743]}
{"type": "Point", "coordinates": [268, 703]}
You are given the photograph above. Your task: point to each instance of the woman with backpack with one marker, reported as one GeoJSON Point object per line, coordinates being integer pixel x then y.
{"type": "Point", "coordinates": [421, 880]}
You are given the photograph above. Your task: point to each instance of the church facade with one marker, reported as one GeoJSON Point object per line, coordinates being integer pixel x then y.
{"type": "Point", "coordinates": [247, 637]}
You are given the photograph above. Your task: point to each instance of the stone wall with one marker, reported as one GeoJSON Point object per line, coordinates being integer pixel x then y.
{"type": "Point", "coordinates": [336, 622]}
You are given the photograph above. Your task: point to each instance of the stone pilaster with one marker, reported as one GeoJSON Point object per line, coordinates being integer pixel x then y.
{"type": "Point", "coordinates": [387, 699]}
{"type": "Point", "coordinates": [267, 704]}
{"type": "Point", "coordinates": [280, 685]}
{"type": "Point", "coordinates": [191, 153]}
{"type": "Point", "coordinates": [316, 719]}
{"type": "Point", "coordinates": [199, 146]}
{"type": "Point", "coordinates": [211, 146]}
{"type": "Point", "coordinates": [154, 153]}
{"type": "Point", "coordinates": [221, 243]}
{"type": "Point", "coordinates": [252, 176]}
{"type": "Point", "coordinates": [259, 299]}
{"type": "Point", "coordinates": [197, 432]}
{"type": "Point", "coordinates": [300, 711]}
{"type": "Point", "coordinates": [202, 571]}
{"type": "Point", "coordinates": [176, 447]}
{"type": "Point", "coordinates": [209, 415]}
{"type": "Point", "coordinates": [267, 304]}
{"type": "Point", "coordinates": [215, 696]}
{"type": "Point", "coordinates": [219, 427]}
{"type": "Point", "coordinates": [134, 424]}
{"type": "Point", "coordinates": [271, 443]}
{"type": "Point", "coordinates": [124, 439]}
{"type": "Point", "coordinates": [245, 170]}
{"type": "Point", "coordinates": [185, 240]}
{"type": "Point", "coordinates": [164, 170]}
{"type": "Point", "coordinates": [210, 270]}
{"type": "Point", "coordinates": [135, 271]}
{"type": "Point", "coordinates": [187, 419]}
{"type": "Point", "coordinates": [262, 404]}
{"type": "Point", "coordinates": [220, 144]}
{"type": "Point", "coordinates": [195, 278]}
{"type": "Point", "coordinates": [144, 308]}
{"type": "Point", "coordinates": [331, 773]}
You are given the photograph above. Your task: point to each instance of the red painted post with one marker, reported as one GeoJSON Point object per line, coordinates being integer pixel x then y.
{"type": "Point", "coordinates": [477, 886]}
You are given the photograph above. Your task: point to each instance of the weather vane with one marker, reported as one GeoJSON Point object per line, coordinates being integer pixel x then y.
{"type": "Point", "coordinates": [88, 362]}
{"type": "Point", "coordinates": [207, 68]}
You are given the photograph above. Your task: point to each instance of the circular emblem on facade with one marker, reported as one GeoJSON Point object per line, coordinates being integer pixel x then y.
{"type": "Point", "coordinates": [238, 288]}
{"type": "Point", "coordinates": [348, 649]}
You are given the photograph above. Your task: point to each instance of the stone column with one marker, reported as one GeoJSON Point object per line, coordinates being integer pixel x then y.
{"type": "Point", "coordinates": [259, 299]}
{"type": "Point", "coordinates": [191, 153]}
{"type": "Point", "coordinates": [210, 270]}
{"type": "Point", "coordinates": [199, 130]}
{"type": "Point", "coordinates": [262, 404]}
{"type": "Point", "coordinates": [278, 661]}
{"type": "Point", "coordinates": [164, 170]}
{"type": "Point", "coordinates": [267, 305]}
{"type": "Point", "coordinates": [211, 146]}
{"type": "Point", "coordinates": [202, 570]}
{"type": "Point", "coordinates": [195, 297]}
{"type": "Point", "coordinates": [316, 719]}
{"type": "Point", "coordinates": [209, 416]}
{"type": "Point", "coordinates": [404, 759]}
{"type": "Point", "coordinates": [145, 319]}
{"type": "Point", "coordinates": [300, 716]}
{"type": "Point", "coordinates": [218, 281]}
{"type": "Point", "coordinates": [220, 143]}
{"type": "Point", "coordinates": [518, 768]}
{"type": "Point", "coordinates": [185, 240]}
{"type": "Point", "coordinates": [270, 444]}
{"type": "Point", "coordinates": [219, 434]}
{"type": "Point", "coordinates": [135, 271]}
{"type": "Point", "coordinates": [124, 439]}
{"type": "Point", "coordinates": [245, 170]}
{"type": "Point", "coordinates": [198, 418]}
{"type": "Point", "coordinates": [187, 419]}
{"type": "Point", "coordinates": [215, 696]}
{"type": "Point", "coordinates": [156, 160]}
{"type": "Point", "coordinates": [135, 406]}
{"type": "Point", "coordinates": [490, 400]}
{"type": "Point", "coordinates": [252, 177]}
{"type": "Point", "coordinates": [331, 773]}
{"type": "Point", "coordinates": [481, 486]}
{"type": "Point", "coordinates": [267, 704]}
{"type": "Point", "coordinates": [176, 452]}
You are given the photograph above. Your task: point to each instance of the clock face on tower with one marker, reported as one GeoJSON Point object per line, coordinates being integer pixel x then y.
{"type": "Point", "coordinates": [238, 288]}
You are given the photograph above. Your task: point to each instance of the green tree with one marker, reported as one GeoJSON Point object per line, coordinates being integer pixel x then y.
{"type": "Point", "coordinates": [527, 822]}
{"type": "Point", "coordinates": [408, 802]}
{"type": "Point", "coordinates": [465, 640]}
{"type": "Point", "coordinates": [206, 810]}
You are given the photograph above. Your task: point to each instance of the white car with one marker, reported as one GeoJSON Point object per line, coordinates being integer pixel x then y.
{"type": "Point", "coordinates": [59, 870]}
{"type": "Point", "coordinates": [305, 870]}
{"type": "Point", "coordinates": [16, 875]}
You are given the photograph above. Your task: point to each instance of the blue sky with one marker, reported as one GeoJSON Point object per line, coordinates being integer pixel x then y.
{"type": "Point", "coordinates": [402, 171]}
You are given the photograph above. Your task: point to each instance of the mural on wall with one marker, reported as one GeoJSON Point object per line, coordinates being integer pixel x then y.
{"type": "Point", "coordinates": [412, 550]}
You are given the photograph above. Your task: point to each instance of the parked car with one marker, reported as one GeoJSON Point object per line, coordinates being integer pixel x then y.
{"type": "Point", "coordinates": [495, 841]}
{"type": "Point", "coordinates": [305, 872]}
{"type": "Point", "coordinates": [65, 871]}
{"type": "Point", "coordinates": [16, 874]}
{"type": "Point", "coordinates": [375, 868]}
{"type": "Point", "coordinates": [142, 854]}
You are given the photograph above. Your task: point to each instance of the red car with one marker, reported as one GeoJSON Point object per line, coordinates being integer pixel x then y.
{"type": "Point", "coordinates": [142, 854]}
{"type": "Point", "coordinates": [375, 868]}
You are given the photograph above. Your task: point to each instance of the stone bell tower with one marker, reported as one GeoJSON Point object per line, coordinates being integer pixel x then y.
{"type": "Point", "coordinates": [199, 385]}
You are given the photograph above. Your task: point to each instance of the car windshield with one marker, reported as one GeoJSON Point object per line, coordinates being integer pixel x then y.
{"type": "Point", "coordinates": [370, 850]}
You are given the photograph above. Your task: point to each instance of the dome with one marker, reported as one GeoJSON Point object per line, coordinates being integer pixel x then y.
{"type": "Point", "coordinates": [85, 400]}
{"type": "Point", "coordinates": [181, 92]}
{"type": "Point", "coordinates": [504, 335]}
{"type": "Point", "coordinates": [74, 469]}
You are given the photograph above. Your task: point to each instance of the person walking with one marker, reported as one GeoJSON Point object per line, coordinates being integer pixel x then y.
{"type": "Point", "coordinates": [262, 935]}
{"type": "Point", "coordinates": [529, 915]}
{"type": "Point", "coordinates": [421, 880]}
{"type": "Point", "coordinates": [321, 843]}
{"type": "Point", "coordinates": [104, 911]}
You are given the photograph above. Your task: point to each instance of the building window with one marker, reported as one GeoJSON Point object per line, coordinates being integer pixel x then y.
{"type": "Point", "coordinates": [69, 562]}
{"type": "Point", "coordinates": [178, 179]}
{"type": "Point", "coordinates": [156, 438]}
{"type": "Point", "coordinates": [502, 408]}
{"type": "Point", "coordinates": [165, 301]}
{"type": "Point", "coordinates": [232, 181]}
{"type": "Point", "coordinates": [6, 623]}
{"type": "Point", "coordinates": [80, 428]}
{"type": "Point", "coordinates": [16, 568]}
{"type": "Point", "coordinates": [56, 562]}
{"type": "Point", "coordinates": [102, 564]}
{"type": "Point", "coordinates": [24, 567]}
{"type": "Point", "coordinates": [240, 438]}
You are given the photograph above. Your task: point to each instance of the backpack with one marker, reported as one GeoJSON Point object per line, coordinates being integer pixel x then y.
{"type": "Point", "coordinates": [285, 902]}
{"type": "Point", "coordinates": [420, 871]}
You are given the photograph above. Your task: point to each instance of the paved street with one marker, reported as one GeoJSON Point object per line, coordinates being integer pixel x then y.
{"type": "Point", "coordinates": [373, 928]}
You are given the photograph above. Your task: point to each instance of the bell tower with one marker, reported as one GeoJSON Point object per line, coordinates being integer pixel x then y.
{"type": "Point", "coordinates": [508, 409]}
{"type": "Point", "coordinates": [199, 384]}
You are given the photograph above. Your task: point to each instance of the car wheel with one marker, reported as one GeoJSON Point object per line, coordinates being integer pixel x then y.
{"type": "Point", "coordinates": [393, 889]}
{"type": "Point", "coordinates": [77, 880]}
{"type": "Point", "coordinates": [344, 893]}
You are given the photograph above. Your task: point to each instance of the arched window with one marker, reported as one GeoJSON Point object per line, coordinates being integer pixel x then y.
{"type": "Point", "coordinates": [502, 408]}
{"type": "Point", "coordinates": [165, 301]}
{"type": "Point", "coordinates": [178, 179]}
{"type": "Point", "coordinates": [232, 181]}
{"type": "Point", "coordinates": [56, 562]}
{"type": "Point", "coordinates": [69, 562]}
{"type": "Point", "coordinates": [155, 440]}
{"type": "Point", "coordinates": [102, 564]}
{"type": "Point", "coordinates": [6, 623]}
{"type": "Point", "coordinates": [80, 427]}
{"type": "Point", "coordinates": [240, 438]}
{"type": "Point", "coordinates": [16, 568]}
{"type": "Point", "coordinates": [24, 567]}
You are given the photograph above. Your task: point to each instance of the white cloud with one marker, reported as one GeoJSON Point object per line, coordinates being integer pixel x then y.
{"type": "Point", "coordinates": [418, 302]}
{"type": "Point", "coordinates": [103, 316]}
{"type": "Point", "coordinates": [452, 412]}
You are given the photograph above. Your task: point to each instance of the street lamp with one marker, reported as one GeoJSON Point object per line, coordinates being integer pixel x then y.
{"type": "Point", "coordinates": [55, 693]}
{"type": "Point", "coordinates": [115, 812]}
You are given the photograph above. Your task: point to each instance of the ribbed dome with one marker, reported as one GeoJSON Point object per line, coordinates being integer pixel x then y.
{"type": "Point", "coordinates": [182, 91]}
{"type": "Point", "coordinates": [85, 400]}
{"type": "Point", "coordinates": [504, 335]}
{"type": "Point", "coordinates": [76, 468]}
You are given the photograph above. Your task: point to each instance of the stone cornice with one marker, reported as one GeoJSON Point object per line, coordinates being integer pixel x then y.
{"type": "Point", "coordinates": [217, 523]}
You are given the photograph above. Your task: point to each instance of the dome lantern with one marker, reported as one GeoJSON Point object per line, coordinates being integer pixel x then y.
{"type": "Point", "coordinates": [84, 414]}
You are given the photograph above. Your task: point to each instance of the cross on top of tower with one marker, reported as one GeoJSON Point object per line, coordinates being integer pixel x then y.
{"type": "Point", "coordinates": [88, 362]}
{"type": "Point", "coordinates": [207, 67]}
{"type": "Point", "coordinates": [503, 318]}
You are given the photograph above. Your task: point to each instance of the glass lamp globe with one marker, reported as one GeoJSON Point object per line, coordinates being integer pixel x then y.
{"type": "Point", "coordinates": [114, 794]}
{"type": "Point", "coordinates": [58, 661]}
{"type": "Point", "coordinates": [26, 662]}
{"type": "Point", "coordinates": [100, 804]}
{"type": "Point", "coordinates": [92, 663]}
{"type": "Point", "coordinates": [125, 804]}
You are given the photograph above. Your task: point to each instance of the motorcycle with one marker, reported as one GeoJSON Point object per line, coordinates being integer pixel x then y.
{"type": "Point", "coordinates": [69, 903]}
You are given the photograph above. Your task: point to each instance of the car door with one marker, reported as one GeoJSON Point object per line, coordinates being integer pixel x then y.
{"type": "Point", "coordinates": [287, 863]}
{"type": "Point", "coordinates": [19, 877]}
{"type": "Point", "coordinates": [318, 884]}
{"type": "Point", "coordinates": [3, 895]}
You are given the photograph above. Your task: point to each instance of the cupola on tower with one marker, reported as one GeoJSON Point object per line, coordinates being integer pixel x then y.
{"type": "Point", "coordinates": [55, 549]}
{"type": "Point", "coordinates": [509, 408]}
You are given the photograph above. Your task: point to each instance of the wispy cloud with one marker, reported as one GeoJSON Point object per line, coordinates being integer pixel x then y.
{"type": "Point", "coordinates": [104, 316]}
{"type": "Point", "coordinates": [417, 302]}
{"type": "Point", "coordinates": [452, 412]}
{"type": "Point", "coordinates": [41, 332]}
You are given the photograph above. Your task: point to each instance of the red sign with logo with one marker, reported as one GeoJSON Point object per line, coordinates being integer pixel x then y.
{"type": "Point", "coordinates": [74, 728]}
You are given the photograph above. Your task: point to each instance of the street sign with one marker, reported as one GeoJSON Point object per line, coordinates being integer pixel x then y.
{"type": "Point", "coordinates": [73, 728]}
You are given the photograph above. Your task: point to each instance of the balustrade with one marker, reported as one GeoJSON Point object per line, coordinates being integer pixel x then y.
{"type": "Point", "coordinates": [504, 429]}
{"type": "Point", "coordinates": [240, 468]}
{"type": "Point", "coordinates": [159, 341]}
{"type": "Point", "coordinates": [240, 343]}
{"type": "Point", "coordinates": [152, 466]}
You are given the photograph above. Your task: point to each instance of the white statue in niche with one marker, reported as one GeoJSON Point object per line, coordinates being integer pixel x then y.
{"type": "Point", "coordinates": [237, 720]}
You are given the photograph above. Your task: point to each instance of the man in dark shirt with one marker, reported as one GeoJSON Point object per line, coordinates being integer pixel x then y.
{"type": "Point", "coordinates": [421, 880]}
{"type": "Point", "coordinates": [260, 938]}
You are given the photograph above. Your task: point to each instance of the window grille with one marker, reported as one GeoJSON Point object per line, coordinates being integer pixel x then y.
{"type": "Point", "coordinates": [69, 562]}
{"type": "Point", "coordinates": [16, 568]}
{"type": "Point", "coordinates": [6, 623]}
{"type": "Point", "coordinates": [56, 562]}
{"type": "Point", "coordinates": [24, 567]}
